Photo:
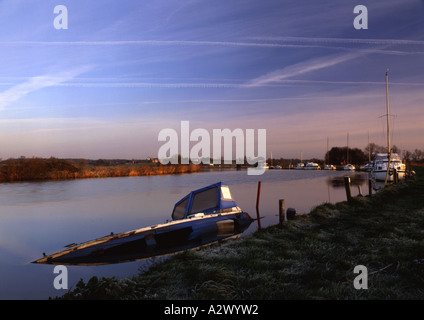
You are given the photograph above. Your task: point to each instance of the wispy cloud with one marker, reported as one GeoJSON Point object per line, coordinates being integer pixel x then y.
{"type": "Point", "coordinates": [300, 69]}
{"type": "Point", "coordinates": [36, 83]}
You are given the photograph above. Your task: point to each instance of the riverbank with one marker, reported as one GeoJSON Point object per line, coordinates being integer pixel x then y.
{"type": "Point", "coordinates": [39, 169]}
{"type": "Point", "coordinates": [311, 257]}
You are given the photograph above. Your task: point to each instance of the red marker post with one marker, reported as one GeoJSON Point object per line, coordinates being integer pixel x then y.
{"type": "Point", "coordinates": [257, 205]}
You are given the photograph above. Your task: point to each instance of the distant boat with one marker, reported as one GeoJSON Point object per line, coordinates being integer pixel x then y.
{"type": "Point", "coordinates": [329, 167]}
{"type": "Point", "coordinates": [367, 166]}
{"type": "Point", "coordinates": [275, 167]}
{"type": "Point", "coordinates": [204, 216]}
{"type": "Point", "coordinates": [312, 166]}
{"type": "Point", "coordinates": [350, 167]}
{"type": "Point", "coordinates": [263, 165]}
{"type": "Point", "coordinates": [300, 166]}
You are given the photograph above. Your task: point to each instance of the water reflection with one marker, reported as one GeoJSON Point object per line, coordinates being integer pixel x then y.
{"type": "Point", "coordinates": [357, 179]}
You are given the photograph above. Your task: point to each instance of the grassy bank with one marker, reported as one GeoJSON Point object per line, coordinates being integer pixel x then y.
{"type": "Point", "coordinates": [38, 169]}
{"type": "Point", "coordinates": [310, 257]}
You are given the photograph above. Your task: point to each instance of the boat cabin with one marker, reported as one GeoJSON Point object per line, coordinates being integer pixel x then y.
{"type": "Point", "coordinates": [215, 198]}
{"type": "Point", "coordinates": [385, 157]}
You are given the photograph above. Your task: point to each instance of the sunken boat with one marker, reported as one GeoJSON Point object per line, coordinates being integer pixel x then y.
{"type": "Point", "coordinates": [203, 217]}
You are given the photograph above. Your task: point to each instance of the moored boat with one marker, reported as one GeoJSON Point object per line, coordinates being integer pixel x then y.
{"type": "Point", "coordinates": [381, 168]}
{"type": "Point", "coordinates": [203, 217]}
{"type": "Point", "coordinates": [312, 166]}
{"type": "Point", "coordinates": [349, 167]}
{"type": "Point", "coordinates": [329, 167]}
{"type": "Point", "coordinates": [300, 166]}
{"type": "Point", "coordinates": [367, 166]}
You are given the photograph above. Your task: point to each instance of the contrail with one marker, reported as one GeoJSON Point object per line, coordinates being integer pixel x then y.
{"type": "Point", "coordinates": [263, 42]}
{"type": "Point", "coordinates": [342, 40]}
{"type": "Point", "coordinates": [144, 43]}
{"type": "Point", "coordinates": [267, 42]}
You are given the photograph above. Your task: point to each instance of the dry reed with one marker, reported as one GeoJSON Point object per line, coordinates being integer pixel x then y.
{"type": "Point", "coordinates": [36, 169]}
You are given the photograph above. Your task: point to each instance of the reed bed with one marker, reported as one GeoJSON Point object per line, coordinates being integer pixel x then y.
{"type": "Point", "coordinates": [38, 169]}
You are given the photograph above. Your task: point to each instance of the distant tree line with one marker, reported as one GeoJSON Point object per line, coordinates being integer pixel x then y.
{"type": "Point", "coordinates": [341, 155]}
{"type": "Point", "coordinates": [416, 156]}
{"type": "Point", "coordinates": [338, 155]}
{"type": "Point", "coordinates": [373, 149]}
{"type": "Point", "coordinates": [344, 155]}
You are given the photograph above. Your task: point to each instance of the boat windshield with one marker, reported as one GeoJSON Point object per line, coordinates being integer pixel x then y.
{"type": "Point", "coordinates": [179, 210]}
{"type": "Point", "coordinates": [205, 200]}
{"type": "Point", "coordinates": [211, 199]}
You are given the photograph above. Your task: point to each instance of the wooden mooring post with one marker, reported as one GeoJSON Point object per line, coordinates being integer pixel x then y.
{"type": "Point", "coordinates": [347, 187]}
{"type": "Point", "coordinates": [281, 212]}
{"type": "Point", "coordinates": [370, 186]}
{"type": "Point", "coordinates": [395, 176]}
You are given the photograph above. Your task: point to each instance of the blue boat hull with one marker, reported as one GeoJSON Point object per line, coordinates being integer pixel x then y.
{"type": "Point", "coordinates": [153, 241]}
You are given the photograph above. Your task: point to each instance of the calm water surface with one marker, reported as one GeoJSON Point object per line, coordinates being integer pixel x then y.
{"type": "Point", "coordinates": [45, 216]}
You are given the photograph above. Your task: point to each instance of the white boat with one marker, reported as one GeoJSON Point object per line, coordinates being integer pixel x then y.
{"type": "Point", "coordinates": [312, 166]}
{"type": "Point", "coordinates": [263, 165]}
{"type": "Point", "coordinates": [367, 166]}
{"type": "Point", "coordinates": [329, 167]}
{"type": "Point", "coordinates": [385, 164]}
{"type": "Point", "coordinates": [381, 167]}
{"type": "Point", "coordinates": [300, 166]}
{"type": "Point", "coordinates": [349, 167]}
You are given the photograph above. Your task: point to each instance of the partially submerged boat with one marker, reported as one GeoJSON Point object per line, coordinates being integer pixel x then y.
{"type": "Point", "coordinates": [202, 217]}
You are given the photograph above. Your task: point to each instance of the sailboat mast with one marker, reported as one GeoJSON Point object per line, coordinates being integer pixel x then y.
{"type": "Point", "coordinates": [369, 149]}
{"type": "Point", "coordinates": [327, 155]}
{"type": "Point", "coordinates": [387, 111]}
{"type": "Point", "coordinates": [347, 161]}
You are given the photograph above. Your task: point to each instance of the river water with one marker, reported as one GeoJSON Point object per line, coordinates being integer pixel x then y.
{"type": "Point", "coordinates": [37, 217]}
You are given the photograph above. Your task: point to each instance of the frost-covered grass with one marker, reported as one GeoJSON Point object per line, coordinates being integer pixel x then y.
{"type": "Point", "coordinates": [310, 257]}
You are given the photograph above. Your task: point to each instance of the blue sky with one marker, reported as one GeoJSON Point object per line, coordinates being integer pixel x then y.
{"type": "Point", "coordinates": [124, 70]}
